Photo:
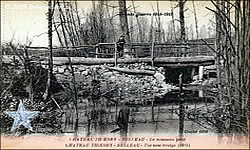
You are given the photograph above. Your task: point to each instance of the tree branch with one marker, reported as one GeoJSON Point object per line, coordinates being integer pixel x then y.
{"type": "Point", "coordinates": [221, 13]}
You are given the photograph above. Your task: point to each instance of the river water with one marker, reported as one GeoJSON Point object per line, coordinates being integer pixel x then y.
{"type": "Point", "coordinates": [162, 117]}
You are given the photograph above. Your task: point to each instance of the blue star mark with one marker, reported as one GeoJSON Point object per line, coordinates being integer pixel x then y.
{"type": "Point", "coordinates": [21, 117]}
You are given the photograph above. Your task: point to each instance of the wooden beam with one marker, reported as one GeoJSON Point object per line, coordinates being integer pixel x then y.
{"type": "Point", "coordinates": [132, 71]}
{"type": "Point", "coordinates": [198, 60]}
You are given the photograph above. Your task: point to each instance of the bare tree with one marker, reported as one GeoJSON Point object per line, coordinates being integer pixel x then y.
{"type": "Point", "coordinates": [138, 24]}
{"type": "Point", "coordinates": [158, 23]}
{"type": "Point", "coordinates": [110, 21]}
{"type": "Point", "coordinates": [182, 19]}
{"type": "Point", "coordinates": [196, 26]}
{"type": "Point", "coordinates": [232, 60]}
{"type": "Point", "coordinates": [173, 21]}
{"type": "Point", "coordinates": [124, 20]}
{"type": "Point", "coordinates": [66, 33]}
{"type": "Point", "coordinates": [50, 57]}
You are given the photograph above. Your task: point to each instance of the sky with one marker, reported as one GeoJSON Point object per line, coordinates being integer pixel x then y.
{"type": "Point", "coordinates": [23, 21]}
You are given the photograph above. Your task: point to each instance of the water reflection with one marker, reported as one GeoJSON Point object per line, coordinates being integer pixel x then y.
{"type": "Point", "coordinates": [181, 117]}
{"type": "Point", "coordinates": [151, 119]}
{"type": "Point", "coordinates": [152, 110]}
{"type": "Point", "coordinates": [123, 119]}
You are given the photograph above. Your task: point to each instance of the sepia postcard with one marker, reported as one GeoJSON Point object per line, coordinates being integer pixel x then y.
{"type": "Point", "coordinates": [125, 74]}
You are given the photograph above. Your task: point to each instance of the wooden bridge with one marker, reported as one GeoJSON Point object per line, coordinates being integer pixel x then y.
{"type": "Point", "coordinates": [193, 53]}
{"type": "Point", "coordinates": [188, 58]}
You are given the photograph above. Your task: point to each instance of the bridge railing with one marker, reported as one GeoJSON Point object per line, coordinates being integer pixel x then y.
{"type": "Point", "coordinates": [107, 50]}
{"type": "Point", "coordinates": [76, 51]}
{"type": "Point", "coordinates": [159, 50]}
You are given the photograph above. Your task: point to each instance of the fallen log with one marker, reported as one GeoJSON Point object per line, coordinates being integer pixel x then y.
{"type": "Point", "coordinates": [132, 71]}
{"type": "Point", "coordinates": [207, 60]}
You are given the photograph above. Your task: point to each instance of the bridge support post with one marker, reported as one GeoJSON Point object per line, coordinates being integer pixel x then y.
{"type": "Point", "coordinates": [115, 54]}
{"type": "Point", "coordinates": [96, 51]}
{"type": "Point", "coordinates": [192, 73]}
{"type": "Point", "coordinates": [201, 71]}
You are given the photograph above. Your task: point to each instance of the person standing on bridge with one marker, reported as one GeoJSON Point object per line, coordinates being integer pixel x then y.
{"type": "Point", "coordinates": [120, 46]}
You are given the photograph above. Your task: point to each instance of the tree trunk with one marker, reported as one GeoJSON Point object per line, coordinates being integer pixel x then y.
{"type": "Point", "coordinates": [218, 52]}
{"type": "Point", "coordinates": [245, 61]}
{"type": "Point", "coordinates": [158, 23]}
{"type": "Point", "coordinates": [138, 24]}
{"type": "Point", "coordinates": [237, 66]}
{"type": "Point", "coordinates": [172, 10]}
{"type": "Point", "coordinates": [196, 27]}
{"type": "Point", "coordinates": [182, 20]}
{"type": "Point", "coordinates": [110, 21]}
{"type": "Point", "coordinates": [50, 57]}
{"type": "Point", "coordinates": [124, 20]}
